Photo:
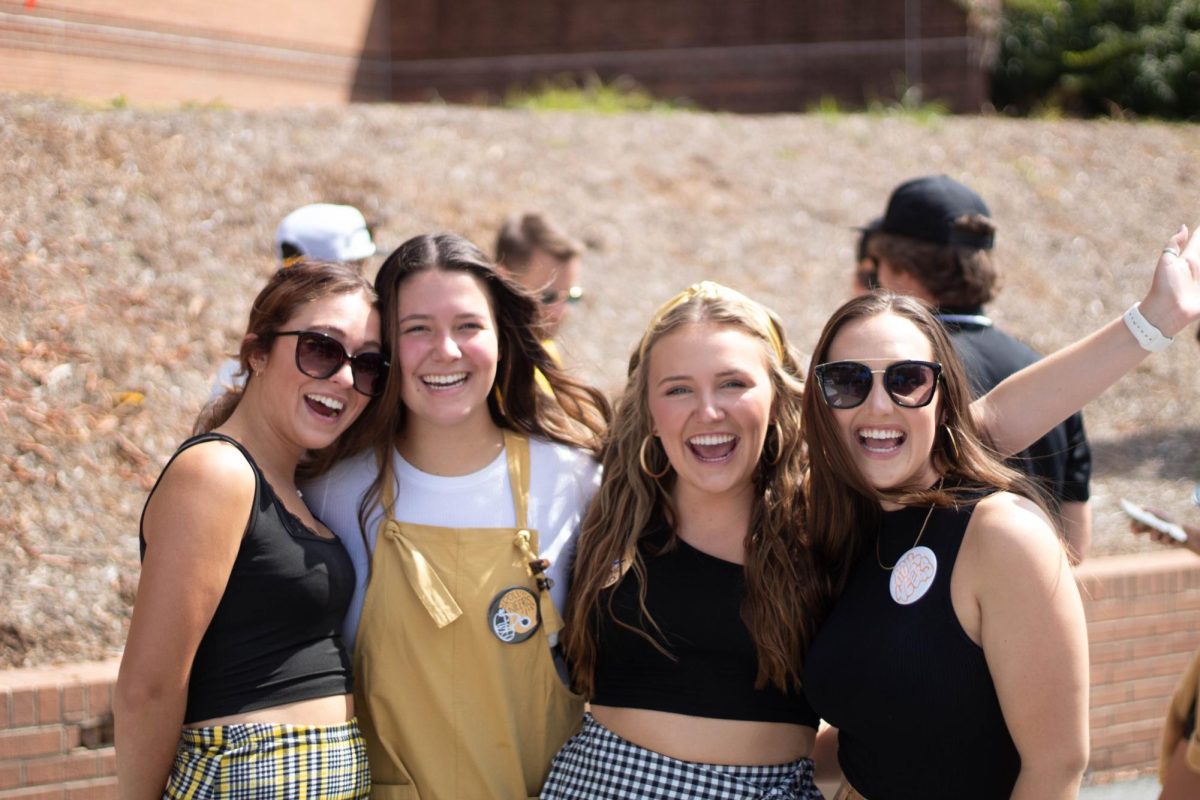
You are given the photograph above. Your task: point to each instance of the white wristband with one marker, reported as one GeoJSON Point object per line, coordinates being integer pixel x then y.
{"type": "Point", "coordinates": [1148, 336]}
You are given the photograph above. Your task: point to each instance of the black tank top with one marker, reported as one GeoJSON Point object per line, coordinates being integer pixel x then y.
{"type": "Point", "coordinates": [909, 691]}
{"type": "Point", "coordinates": [696, 601]}
{"type": "Point", "coordinates": [275, 636]}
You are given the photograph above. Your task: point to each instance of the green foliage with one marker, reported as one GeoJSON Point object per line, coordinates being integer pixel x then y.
{"type": "Point", "coordinates": [566, 93]}
{"type": "Point", "coordinates": [827, 107]}
{"type": "Point", "coordinates": [909, 105]}
{"type": "Point", "coordinates": [1094, 57]}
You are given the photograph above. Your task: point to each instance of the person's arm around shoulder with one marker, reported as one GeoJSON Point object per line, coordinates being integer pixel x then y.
{"type": "Point", "coordinates": [193, 527]}
{"type": "Point", "coordinates": [1034, 636]}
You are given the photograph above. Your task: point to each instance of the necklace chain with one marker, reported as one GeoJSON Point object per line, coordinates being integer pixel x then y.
{"type": "Point", "coordinates": [920, 533]}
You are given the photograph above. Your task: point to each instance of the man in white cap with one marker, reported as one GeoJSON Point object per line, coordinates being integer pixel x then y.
{"type": "Point", "coordinates": [320, 231]}
{"type": "Point", "coordinates": [325, 232]}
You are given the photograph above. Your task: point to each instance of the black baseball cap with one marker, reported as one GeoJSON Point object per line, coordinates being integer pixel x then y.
{"type": "Point", "coordinates": [926, 208]}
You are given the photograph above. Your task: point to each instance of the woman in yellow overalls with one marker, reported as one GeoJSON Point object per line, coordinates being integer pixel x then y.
{"type": "Point", "coordinates": [459, 502]}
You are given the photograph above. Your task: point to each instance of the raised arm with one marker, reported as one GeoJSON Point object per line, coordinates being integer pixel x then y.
{"type": "Point", "coordinates": [1031, 402]}
{"type": "Point", "coordinates": [193, 527]}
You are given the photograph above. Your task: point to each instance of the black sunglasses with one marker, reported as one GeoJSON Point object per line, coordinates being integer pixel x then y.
{"type": "Point", "coordinates": [320, 356]}
{"type": "Point", "coordinates": [549, 297]}
{"type": "Point", "coordinates": [846, 384]}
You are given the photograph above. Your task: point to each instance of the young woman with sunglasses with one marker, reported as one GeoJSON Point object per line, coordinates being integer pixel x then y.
{"type": "Point", "coordinates": [235, 637]}
{"type": "Point", "coordinates": [954, 662]}
{"type": "Point", "coordinates": [693, 592]}
{"type": "Point", "coordinates": [459, 497]}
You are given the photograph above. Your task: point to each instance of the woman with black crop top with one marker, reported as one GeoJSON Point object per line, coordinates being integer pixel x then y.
{"type": "Point", "coordinates": [234, 681]}
{"type": "Point", "coordinates": [692, 592]}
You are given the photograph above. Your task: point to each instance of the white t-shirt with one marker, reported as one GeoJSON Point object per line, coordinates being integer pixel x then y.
{"type": "Point", "coordinates": [561, 484]}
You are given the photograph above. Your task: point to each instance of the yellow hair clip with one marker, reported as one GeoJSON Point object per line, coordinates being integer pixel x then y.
{"type": "Point", "coordinates": [711, 290]}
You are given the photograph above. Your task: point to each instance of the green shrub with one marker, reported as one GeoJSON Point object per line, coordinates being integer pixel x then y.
{"type": "Point", "coordinates": [1092, 57]}
{"type": "Point", "coordinates": [566, 93]}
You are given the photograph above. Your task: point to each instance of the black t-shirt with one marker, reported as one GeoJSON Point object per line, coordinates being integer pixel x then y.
{"type": "Point", "coordinates": [1060, 461]}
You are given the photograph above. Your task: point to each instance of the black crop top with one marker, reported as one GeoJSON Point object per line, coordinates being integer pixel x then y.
{"type": "Point", "coordinates": [696, 601]}
{"type": "Point", "coordinates": [909, 691]}
{"type": "Point", "coordinates": [275, 636]}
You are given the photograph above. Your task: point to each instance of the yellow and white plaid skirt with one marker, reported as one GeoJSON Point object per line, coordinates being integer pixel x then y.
{"type": "Point", "coordinates": [256, 761]}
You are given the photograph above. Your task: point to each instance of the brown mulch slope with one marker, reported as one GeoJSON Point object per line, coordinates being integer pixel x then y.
{"type": "Point", "coordinates": [131, 242]}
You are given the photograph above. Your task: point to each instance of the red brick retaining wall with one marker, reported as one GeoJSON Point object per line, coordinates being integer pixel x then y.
{"type": "Point", "coordinates": [56, 733]}
{"type": "Point", "coordinates": [1143, 615]}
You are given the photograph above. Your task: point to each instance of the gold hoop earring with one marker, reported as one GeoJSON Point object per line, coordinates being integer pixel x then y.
{"type": "Point", "coordinates": [642, 461]}
{"type": "Point", "coordinates": [778, 443]}
{"type": "Point", "coordinates": [953, 443]}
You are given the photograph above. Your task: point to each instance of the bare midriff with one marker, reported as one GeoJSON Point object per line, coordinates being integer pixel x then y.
{"type": "Point", "coordinates": [332, 710]}
{"type": "Point", "coordinates": [708, 740]}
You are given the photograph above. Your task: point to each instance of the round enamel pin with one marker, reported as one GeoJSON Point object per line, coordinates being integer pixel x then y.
{"type": "Point", "coordinates": [913, 575]}
{"type": "Point", "coordinates": [514, 615]}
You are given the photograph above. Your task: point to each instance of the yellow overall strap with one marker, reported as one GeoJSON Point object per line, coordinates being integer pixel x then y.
{"type": "Point", "coordinates": [424, 579]}
{"type": "Point", "coordinates": [517, 449]}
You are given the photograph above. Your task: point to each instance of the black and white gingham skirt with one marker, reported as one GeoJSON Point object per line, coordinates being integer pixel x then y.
{"type": "Point", "coordinates": [599, 765]}
{"type": "Point", "coordinates": [261, 761]}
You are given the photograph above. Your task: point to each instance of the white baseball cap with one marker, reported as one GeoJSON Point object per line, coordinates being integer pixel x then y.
{"type": "Point", "coordinates": [327, 232]}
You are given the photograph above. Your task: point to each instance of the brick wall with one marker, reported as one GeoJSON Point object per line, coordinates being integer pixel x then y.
{"type": "Point", "coordinates": [750, 55]}
{"type": "Point", "coordinates": [253, 54]}
{"type": "Point", "coordinates": [56, 733]}
{"type": "Point", "coordinates": [1142, 613]}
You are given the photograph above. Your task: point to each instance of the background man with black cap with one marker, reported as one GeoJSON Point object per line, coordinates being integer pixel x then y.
{"type": "Point", "coordinates": [934, 243]}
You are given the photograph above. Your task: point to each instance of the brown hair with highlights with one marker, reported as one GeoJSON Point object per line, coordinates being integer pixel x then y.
{"type": "Point", "coordinates": [840, 502]}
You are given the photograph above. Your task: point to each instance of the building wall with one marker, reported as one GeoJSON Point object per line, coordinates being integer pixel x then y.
{"type": "Point", "coordinates": [252, 54]}
{"type": "Point", "coordinates": [1142, 632]}
{"type": "Point", "coordinates": [752, 55]}
{"type": "Point", "coordinates": [55, 727]}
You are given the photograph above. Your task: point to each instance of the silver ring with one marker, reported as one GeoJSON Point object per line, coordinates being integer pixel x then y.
{"type": "Point", "coordinates": [1171, 250]}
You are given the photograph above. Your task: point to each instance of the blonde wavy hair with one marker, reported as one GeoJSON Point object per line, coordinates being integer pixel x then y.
{"type": "Point", "coordinates": [784, 599]}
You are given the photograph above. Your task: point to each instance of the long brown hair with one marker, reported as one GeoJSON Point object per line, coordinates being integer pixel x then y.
{"type": "Point", "coordinates": [840, 502]}
{"type": "Point", "coordinates": [288, 289]}
{"type": "Point", "coordinates": [783, 596]}
{"type": "Point", "coordinates": [572, 413]}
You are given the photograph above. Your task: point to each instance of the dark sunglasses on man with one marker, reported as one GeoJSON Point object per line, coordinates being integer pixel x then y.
{"type": "Point", "coordinates": [320, 356]}
{"type": "Point", "coordinates": [549, 297]}
{"type": "Point", "coordinates": [846, 384]}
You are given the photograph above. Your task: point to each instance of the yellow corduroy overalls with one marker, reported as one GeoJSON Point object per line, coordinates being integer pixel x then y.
{"type": "Point", "coordinates": [455, 686]}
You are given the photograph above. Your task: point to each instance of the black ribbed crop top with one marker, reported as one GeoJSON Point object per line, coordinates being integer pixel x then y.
{"type": "Point", "coordinates": [696, 601]}
{"type": "Point", "coordinates": [909, 691]}
{"type": "Point", "coordinates": [275, 636]}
